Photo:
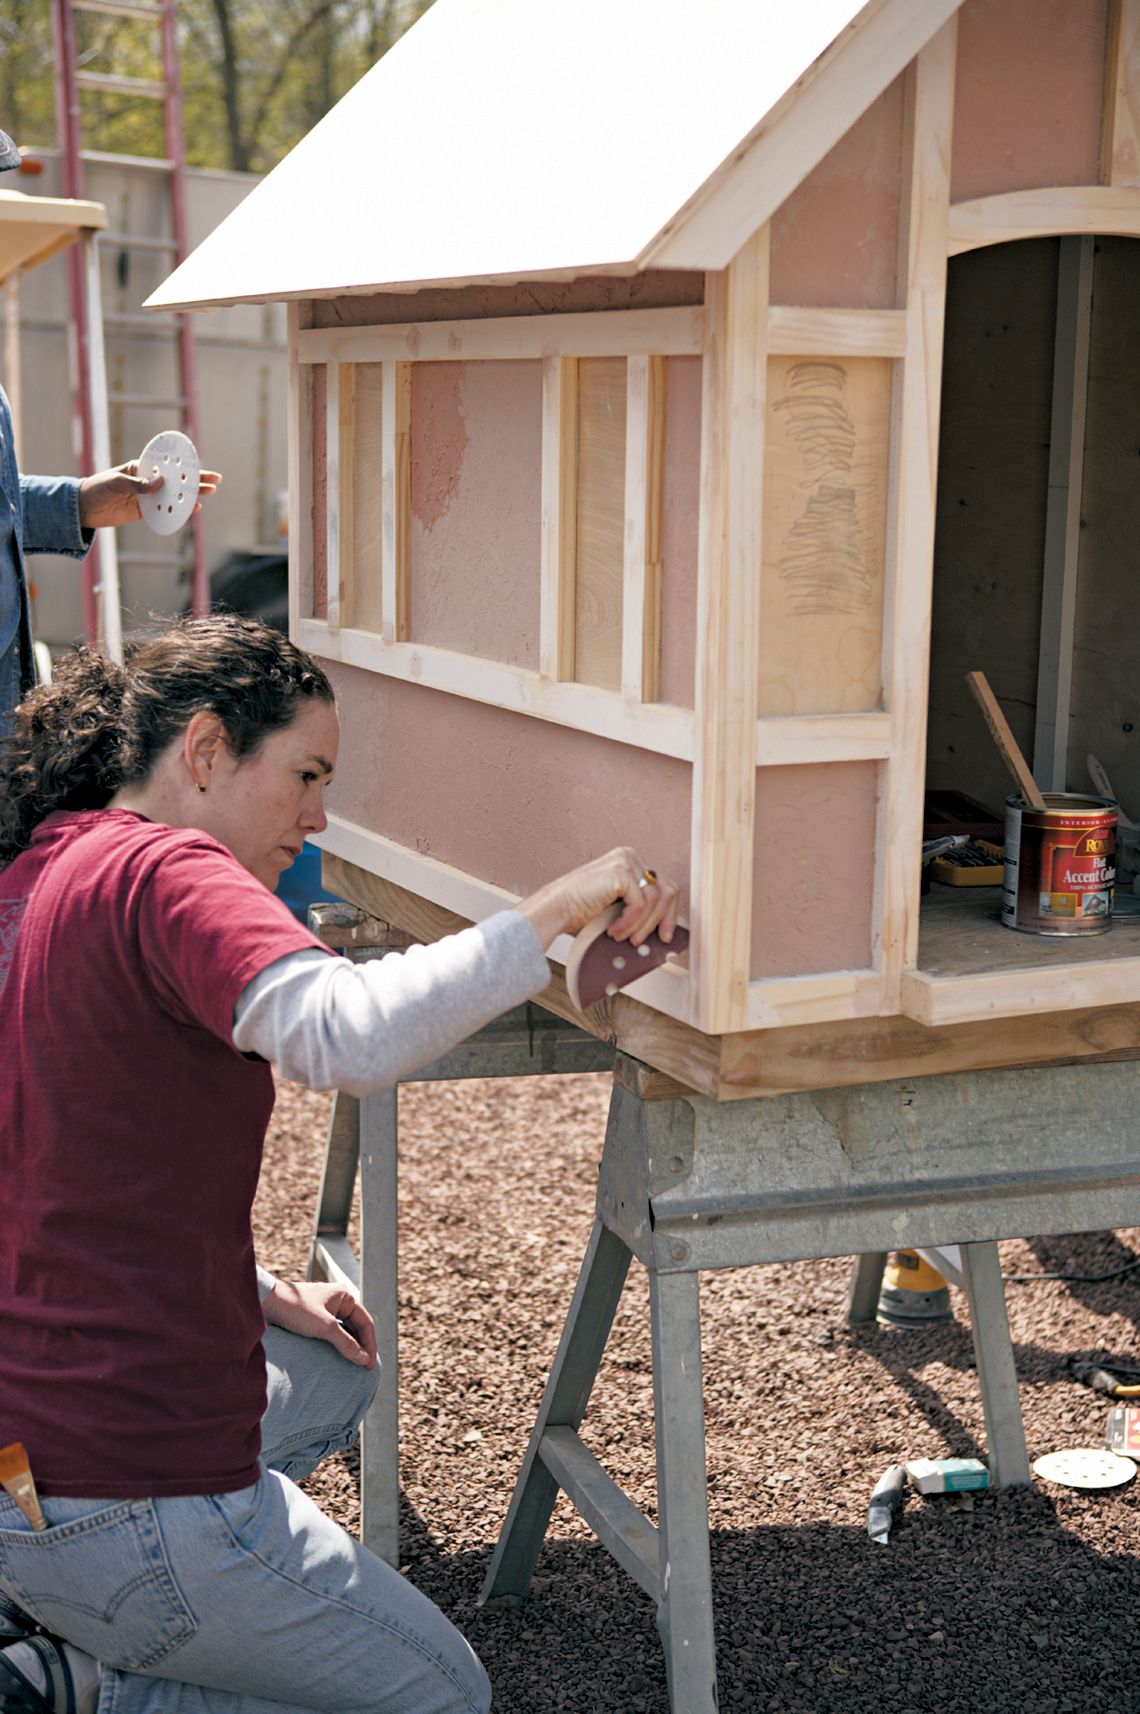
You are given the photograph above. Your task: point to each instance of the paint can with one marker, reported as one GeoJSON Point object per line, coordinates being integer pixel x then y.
{"type": "Point", "coordinates": [1060, 864]}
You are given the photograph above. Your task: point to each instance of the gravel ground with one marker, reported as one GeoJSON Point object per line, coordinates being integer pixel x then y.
{"type": "Point", "coordinates": [1016, 1601]}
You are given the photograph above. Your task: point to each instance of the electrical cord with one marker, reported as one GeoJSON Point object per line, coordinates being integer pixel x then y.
{"type": "Point", "coordinates": [1075, 1279]}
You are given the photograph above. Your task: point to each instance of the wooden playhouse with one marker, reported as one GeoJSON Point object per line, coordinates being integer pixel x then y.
{"type": "Point", "coordinates": [683, 401]}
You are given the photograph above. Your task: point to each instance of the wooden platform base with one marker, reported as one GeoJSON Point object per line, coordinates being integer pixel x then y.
{"type": "Point", "coordinates": [783, 1061]}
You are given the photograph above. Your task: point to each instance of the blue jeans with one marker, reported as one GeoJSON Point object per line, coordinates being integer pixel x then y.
{"type": "Point", "coordinates": [247, 1603]}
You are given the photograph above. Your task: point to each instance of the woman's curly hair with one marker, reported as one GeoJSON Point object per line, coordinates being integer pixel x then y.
{"type": "Point", "coordinates": [99, 726]}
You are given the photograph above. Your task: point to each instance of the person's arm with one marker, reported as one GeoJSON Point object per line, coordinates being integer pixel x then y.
{"type": "Point", "coordinates": [51, 516]}
{"type": "Point", "coordinates": [332, 1024]}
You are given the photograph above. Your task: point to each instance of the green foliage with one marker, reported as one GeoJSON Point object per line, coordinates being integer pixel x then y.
{"type": "Point", "coordinates": [256, 74]}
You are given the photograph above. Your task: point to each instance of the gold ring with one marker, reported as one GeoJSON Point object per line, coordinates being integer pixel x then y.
{"type": "Point", "coordinates": [648, 878]}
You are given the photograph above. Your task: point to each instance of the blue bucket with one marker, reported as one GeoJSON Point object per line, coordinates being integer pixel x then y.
{"type": "Point", "coordinates": [300, 885]}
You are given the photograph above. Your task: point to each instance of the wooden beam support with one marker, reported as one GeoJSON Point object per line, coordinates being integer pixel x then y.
{"type": "Point", "coordinates": [781, 1061]}
{"type": "Point", "coordinates": [337, 377]}
{"type": "Point", "coordinates": [641, 594]}
{"type": "Point", "coordinates": [299, 407]}
{"type": "Point", "coordinates": [811, 332]}
{"type": "Point", "coordinates": [1113, 210]}
{"type": "Point", "coordinates": [344, 509]}
{"type": "Point", "coordinates": [396, 501]}
{"type": "Point", "coordinates": [559, 517]}
{"type": "Point", "coordinates": [1063, 512]}
{"type": "Point", "coordinates": [733, 409]}
{"type": "Point", "coordinates": [598, 333]}
{"type": "Point", "coordinates": [1120, 134]}
{"type": "Point", "coordinates": [911, 503]}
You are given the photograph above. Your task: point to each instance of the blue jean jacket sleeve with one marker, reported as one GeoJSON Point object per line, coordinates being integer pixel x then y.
{"type": "Point", "coordinates": [51, 516]}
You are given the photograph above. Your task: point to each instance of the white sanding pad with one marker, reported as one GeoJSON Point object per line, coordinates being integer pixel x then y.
{"type": "Point", "coordinates": [173, 456]}
{"type": "Point", "coordinates": [1085, 1467]}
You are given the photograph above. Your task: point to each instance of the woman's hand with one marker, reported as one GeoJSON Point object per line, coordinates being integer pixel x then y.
{"type": "Point", "coordinates": [322, 1311]}
{"type": "Point", "coordinates": [111, 497]}
{"type": "Point", "coordinates": [568, 904]}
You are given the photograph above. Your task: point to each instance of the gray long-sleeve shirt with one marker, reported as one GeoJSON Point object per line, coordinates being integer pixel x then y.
{"type": "Point", "coordinates": [332, 1024]}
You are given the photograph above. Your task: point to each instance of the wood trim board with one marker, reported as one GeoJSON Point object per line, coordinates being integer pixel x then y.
{"type": "Point", "coordinates": [913, 485]}
{"type": "Point", "coordinates": [1071, 211]}
{"type": "Point", "coordinates": [771, 1062]}
{"type": "Point", "coordinates": [599, 333]}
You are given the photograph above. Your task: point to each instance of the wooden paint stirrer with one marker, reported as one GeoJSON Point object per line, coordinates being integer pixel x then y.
{"type": "Point", "coordinates": [1005, 740]}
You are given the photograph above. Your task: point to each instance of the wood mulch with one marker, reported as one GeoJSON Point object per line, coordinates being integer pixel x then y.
{"type": "Point", "coordinates": [1006, 1602]}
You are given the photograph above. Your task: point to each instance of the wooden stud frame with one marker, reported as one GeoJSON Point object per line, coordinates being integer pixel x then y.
{"type": "Point", "coordinates": [641, 569]}
{"type": "Point", "coordinates": [928, 123]}
{"type": "Point", "coordinates": [559, 518]}
{"type": "Point", "coordinates": [733, 408]}
{"type": "Point", "coordinates": [396, 500]}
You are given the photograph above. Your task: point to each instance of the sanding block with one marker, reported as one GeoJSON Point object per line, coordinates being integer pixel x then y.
{"type": "Point", "coordinates": [597, 967]}
{"type": "Point", "coordinates": [173, 456]}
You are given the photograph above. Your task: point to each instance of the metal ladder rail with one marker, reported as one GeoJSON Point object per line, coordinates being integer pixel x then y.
{"type": "Point", "coordinates": [70, 81]}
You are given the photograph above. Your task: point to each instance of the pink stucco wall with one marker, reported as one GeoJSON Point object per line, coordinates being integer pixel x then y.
{"type": "Point", "coordinates": [476, 508]}
{"type": "Point", "coordinates": [1027, 108]}
{"type": "Point", "coordinates": [504, 798]}
{"type": "Point", "coordinates": [814, 868]}
{"type": "Point", "coordinates": [515, 801]}
{"type": "Point", "coordinates": [834, 240]}
{"type": "Point", "coordinates": [680, 518]}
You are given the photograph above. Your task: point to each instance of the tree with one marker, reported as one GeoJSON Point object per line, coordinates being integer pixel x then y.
{"type": "Point", "coordinates": [256, 74]}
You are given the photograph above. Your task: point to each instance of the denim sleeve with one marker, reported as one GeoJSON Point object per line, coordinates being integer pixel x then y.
{"type": "Point", "coordinates": [51, 516]}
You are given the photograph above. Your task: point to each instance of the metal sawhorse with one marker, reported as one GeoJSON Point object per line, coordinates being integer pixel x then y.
{"type": "Point", "coordinates": [526, 1042]}
{"type": "Point", "coordinates": [686, 1184]}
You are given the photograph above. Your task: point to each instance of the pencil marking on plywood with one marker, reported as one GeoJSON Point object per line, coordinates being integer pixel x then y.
{"type": "Point", "coordinates": [825, 564]}
{"type": "Point", "coordinates": [825, 485]}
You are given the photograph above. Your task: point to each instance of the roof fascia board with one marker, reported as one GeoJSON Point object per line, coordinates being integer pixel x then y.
{"type": "Point", "coordinates": [797, 133]}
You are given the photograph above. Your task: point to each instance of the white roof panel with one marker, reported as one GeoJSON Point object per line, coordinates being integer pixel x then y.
{"type": "Point", "coordinates": [509, 139]}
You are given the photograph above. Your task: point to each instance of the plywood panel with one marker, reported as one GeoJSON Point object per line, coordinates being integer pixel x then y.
{"type": "Point", "coordinates": [825, 490]}
{"type": "Point", "coordinates": [680, 517]}
{"type": "Point", "coordinates": [476, 502]}
{"type": "Point", "coordinates": [992, 488]}
{"type": "Point", "coordinates": [1027, 110]}
{"type": "Point", "coordinates": [503, 798]}
{"type": "Point", "coordinates": [834, 241]}
{"type": "Point", "coordinates": [600, 521]}
{"type": "Point", "coordinates": [814, 868]}
{"type": "Point", "coordinates": [1106, 653]}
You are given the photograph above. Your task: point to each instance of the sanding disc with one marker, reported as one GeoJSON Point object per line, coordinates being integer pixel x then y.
{"type": "Point", "coordinates": [173, 456]}
{"type": "Point", "coordinates": [597, 967]}
{"type": "Point", "coordinates": [1085, 1467]}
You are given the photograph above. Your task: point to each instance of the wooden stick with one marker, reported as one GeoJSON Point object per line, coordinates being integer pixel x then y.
{"type": "Point", "coordinates": [1103, 785]}
{"type": "Point", "coordinates": [1005, 740]}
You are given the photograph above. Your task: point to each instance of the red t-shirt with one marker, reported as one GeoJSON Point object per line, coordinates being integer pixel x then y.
{"type": "Point", "coordinates": [131, 1132]}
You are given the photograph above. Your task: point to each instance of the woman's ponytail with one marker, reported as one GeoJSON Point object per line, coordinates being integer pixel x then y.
{"type": "Point", "coordinates": [64, 749]}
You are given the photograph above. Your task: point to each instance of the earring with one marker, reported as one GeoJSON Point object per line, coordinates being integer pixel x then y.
{"type": "Point", "coordinates": [201, 788]}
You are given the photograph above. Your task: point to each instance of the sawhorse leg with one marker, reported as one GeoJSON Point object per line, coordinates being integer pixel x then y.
{"type": "Point", "coordinates": [379, 1257]}
{"type": "Point", "coordinates": [568, 1387]}
{"type": "Point", "coordinates": [368, 1128]}
{"type": "Point", "coordinates": [866, 1284]}
{"type": "Point", "coordinates": [993, 1349]}
{"type": "Point", "coordinates": [684, 1609]}
{"type": "Point", "coordinates": [997, 1376]}
{"type": "Point", "coordinates": [672, 1562]}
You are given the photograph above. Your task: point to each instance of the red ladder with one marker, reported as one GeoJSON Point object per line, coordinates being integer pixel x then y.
{"type": "Point", "coordinates": [70, 81]}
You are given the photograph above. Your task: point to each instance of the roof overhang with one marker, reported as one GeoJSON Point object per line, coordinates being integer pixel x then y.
{"type": "Point", "coordinates": [501, 141]}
